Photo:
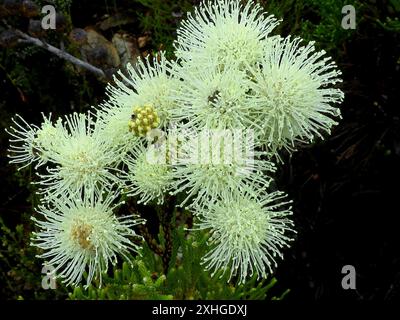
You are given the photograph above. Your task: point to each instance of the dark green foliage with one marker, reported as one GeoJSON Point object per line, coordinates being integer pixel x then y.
{"type": "Point", "coordinates": [21, 272]}
{"type": "Point", "coordinates": [314, 20]}
{"type": "Point", "coordinates": [327, 30]}
{"type": "Point", "coordinates": [161, 18]}
{"type": "Point", "coordinates": [392, 23]}
{"type": "Point", "coordinates": [185, 278]}
{"type": "Point", "coordinates": [132, 282]}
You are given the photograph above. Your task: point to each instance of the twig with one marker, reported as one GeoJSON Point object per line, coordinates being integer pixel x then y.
{"type": "Point", "coordinates": [61, 54]}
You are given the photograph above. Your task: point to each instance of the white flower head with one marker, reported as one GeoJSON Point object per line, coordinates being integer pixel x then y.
{"type": "Point", "coordinates": [248, 232]}
{"type": "Point", "coordinates": [31, 144]}
{"type": "Point", "coordinates": [80, 236]}
{"type": "Point", "coordinates": [294, 85]}
{"type": "Point", "coordinates": [224, 32]}
{"type": "Point", "coordinates": [148, 83]}
{"type": "Point", "coordinates": [82, 161]}
{"type": "Point", "coordinates": [114, 126]}
{"type": "Point", "coordinates": [149, 174]}
{"type": "Point", "coordinates": [214, 161]}
{"type": "Point", "coordinates": [215, 99]}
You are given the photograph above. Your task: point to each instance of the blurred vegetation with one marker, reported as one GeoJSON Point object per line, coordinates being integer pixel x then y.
{"type": "Point", "coordinates": [161, 18]}
{"type": "Point", "coordinates": [34, 81]}
{"type": "Point", "coordinates": [21, 272]}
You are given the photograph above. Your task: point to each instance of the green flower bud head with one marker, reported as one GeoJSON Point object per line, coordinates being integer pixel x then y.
{"type": "Point", "coordinates": [143, 120]}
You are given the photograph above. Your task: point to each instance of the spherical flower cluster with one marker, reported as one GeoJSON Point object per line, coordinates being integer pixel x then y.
{"type": "Point", "coordinates": [224, 33]}
{"type": "Point", "coordinates": [147, 83]}
{"type": "Point", "coordinates": [212, 162]}
{"type": "Point", "coordinates": [292, 84]}
{"type": "Point", "coordinates": [149, 175]}
{"type": "Point", "coordinates": [213, 98]}
{"type": "Point", "coordinates": [247, 232]}
{"type": "Point", "coordinates": [143, 120]}
{"type": "Point", "coordinates": [83, 160]}
{"type": "Point", "coordinates": [77, 158]}
{"type": "Point", "coordinates": [31, 144]}
{"type": "Point", "coordinates": [83, 236]}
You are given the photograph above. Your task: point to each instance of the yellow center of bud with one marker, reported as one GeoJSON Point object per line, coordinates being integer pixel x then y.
{"type": "Point", "coordinates": [143, 120]}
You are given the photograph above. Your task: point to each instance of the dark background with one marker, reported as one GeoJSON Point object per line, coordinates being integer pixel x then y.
{"type": "Point", "coordinates": [345, 188]}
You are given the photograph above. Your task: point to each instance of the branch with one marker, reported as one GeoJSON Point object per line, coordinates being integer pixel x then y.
{"type": "Point", "coordinates": [61, 54]}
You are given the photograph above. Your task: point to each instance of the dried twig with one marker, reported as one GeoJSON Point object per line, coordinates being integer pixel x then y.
{"type": "Point", "coordinates": [61, 54]}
